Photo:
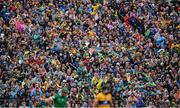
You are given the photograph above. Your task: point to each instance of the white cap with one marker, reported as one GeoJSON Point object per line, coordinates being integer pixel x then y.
{"type": "Point", "coordinates": [2, 35]}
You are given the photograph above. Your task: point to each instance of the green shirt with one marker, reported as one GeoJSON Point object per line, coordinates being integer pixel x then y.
{"type": "Point", "coordinates": [60, 101]}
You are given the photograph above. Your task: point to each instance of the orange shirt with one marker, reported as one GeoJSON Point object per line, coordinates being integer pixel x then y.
{"type": "Point", "coordinates": [137, 36]}
{"type": "Point", "coordinates": [177, 95]}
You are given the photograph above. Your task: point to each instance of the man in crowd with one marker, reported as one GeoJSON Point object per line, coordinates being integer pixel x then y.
{"type": "Point", "coordinates": [60, 99]}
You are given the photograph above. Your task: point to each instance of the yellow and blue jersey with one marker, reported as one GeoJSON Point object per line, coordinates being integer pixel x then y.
{"type": "Point", "coordinates": [104, 100]}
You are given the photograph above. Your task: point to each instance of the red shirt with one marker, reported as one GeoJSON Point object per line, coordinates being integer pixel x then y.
{"type": "Point", "coordinates": [12, 8]}
{"type": "Point", "coordinates": [88, 67]}
{"type": "Point", "coordinates": [86, 61]}
{"type": "Point", "coordinates": [126, 20]}
{"type": "Point", "coordinates": [178, 8]}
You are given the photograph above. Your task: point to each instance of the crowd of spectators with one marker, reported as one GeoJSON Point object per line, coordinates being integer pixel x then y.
{"type": "Point", "coordinates": [79, 44]}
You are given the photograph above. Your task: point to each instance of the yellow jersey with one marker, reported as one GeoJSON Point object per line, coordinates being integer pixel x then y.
{"type": "Point", "coordinates": [103, 100]}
